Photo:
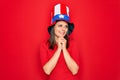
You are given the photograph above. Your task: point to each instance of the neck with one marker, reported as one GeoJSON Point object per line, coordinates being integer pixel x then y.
{"type": "Point", "coordinates": [56, 38]}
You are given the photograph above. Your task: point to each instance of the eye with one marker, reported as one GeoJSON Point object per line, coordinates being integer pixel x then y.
{"type": "Point", "coordinates": [60, 25]}
{"type": "Point", "coordinates": [66, 26]}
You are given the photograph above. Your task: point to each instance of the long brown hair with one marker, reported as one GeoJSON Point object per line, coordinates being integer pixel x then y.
{"type": "Point", "coordinates": [52, 41]}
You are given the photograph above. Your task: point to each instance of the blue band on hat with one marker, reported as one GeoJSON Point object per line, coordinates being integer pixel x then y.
{"type": "Point", "coordinates": [61, 17]}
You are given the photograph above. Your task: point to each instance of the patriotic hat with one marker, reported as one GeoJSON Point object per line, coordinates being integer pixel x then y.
{"type": "Point", "coordinates": [61, 12]}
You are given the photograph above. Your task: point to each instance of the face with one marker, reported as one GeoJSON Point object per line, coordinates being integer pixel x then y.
{"type": "Point", "coordinates": [60, 29]}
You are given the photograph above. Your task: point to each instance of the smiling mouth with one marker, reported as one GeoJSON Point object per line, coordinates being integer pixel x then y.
{"type": "Point", "coordinates": [62, 33]}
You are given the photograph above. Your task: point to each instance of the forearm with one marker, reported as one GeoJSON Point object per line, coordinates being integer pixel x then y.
{"type": "Point", "coordinates": [50, 65]}
{"type": "Point", "coordinates": [72, 65]}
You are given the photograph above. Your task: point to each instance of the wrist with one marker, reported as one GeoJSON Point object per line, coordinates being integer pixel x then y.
{"type": "Point", "coordinates": [64, 49]}
{"type": "Point", "coordinates": [58, 49]}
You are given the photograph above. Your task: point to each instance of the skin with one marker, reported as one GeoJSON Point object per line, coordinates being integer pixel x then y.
{"type": "Point", "coordinates": [60, 30]}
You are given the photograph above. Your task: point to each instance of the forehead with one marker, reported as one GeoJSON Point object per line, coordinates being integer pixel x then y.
{"type": "Point", "coordinates": [62, 22]}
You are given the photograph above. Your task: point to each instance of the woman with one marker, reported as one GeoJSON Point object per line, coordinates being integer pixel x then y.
{"type": "Point", "coordinates": [59, 55]}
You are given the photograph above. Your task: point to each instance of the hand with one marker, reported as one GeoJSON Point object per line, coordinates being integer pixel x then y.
{"type": "Point", "coordinates": [61, 42]}
{"type": "Point", "coordinates": [64, 41]}
{"type": "Point", "coordinates": [58, 41]}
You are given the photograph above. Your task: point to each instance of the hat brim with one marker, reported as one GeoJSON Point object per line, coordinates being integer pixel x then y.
{"type": "Point", "coordinates": [70, 28]}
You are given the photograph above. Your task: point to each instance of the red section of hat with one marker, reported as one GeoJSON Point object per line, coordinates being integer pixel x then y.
{"type": "Point", "coordinates": [63, 9]}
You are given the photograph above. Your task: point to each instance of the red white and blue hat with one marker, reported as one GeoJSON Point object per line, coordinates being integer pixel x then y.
{"type": "Point", "coordinates": [61, 12]}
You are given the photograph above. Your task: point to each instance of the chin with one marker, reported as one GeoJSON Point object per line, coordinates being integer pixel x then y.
{"type": "Point", "coordinates": [61, 36]}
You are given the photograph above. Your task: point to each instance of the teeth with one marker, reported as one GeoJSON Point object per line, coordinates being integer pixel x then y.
{"type": "Point", "coordinates": [62, 33]}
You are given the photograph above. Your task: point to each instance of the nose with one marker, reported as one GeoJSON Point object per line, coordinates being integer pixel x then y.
{"type": "Point", "coordinates": [63, 28]}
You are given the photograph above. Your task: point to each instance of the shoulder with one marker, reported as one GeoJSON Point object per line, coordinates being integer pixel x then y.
{"type": "Point", "coordinates": [44, 44]}
{"type": "Point", "coordinates": [72, 42]}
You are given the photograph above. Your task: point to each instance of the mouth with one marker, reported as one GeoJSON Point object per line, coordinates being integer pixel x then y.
{"type": "Point", "coordinates": [62, 33]}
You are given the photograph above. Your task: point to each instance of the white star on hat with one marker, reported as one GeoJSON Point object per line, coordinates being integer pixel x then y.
{"type": "Point", "coordinates": [61, 16]}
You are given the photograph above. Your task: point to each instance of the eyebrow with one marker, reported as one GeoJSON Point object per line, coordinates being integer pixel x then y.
{"type": "Point", "coordinates": [62, 24]}
{"type": "Point", "coordinates": [66, 25]}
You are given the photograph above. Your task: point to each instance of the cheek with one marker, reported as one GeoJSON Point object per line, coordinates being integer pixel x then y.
{"type": "Point", "coordinates": [66, 30]}
{"type": "Point", "coordinates": [56, 30]}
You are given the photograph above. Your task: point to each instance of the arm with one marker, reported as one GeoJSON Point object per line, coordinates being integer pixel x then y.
{"type": "Point", "coordinates": [71, 64]}
{"type": "Point", "coordinates": [73, 67]}
{"type": "Point", "coordinates": [50, 65]}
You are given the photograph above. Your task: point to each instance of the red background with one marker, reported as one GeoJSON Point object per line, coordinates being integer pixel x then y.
{"type": "Point", "coordinates": [24, 24]}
